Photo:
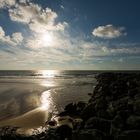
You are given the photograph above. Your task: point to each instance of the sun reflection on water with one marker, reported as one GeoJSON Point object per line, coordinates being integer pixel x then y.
{"type": "Point", "coordinates": [46, 101]}
{"type": "Point", "coordinates": [48, 81]}
{"type": "Point", "coordinates": [48, 73]}
{"type": "Point", "coordinates": [48, 77]}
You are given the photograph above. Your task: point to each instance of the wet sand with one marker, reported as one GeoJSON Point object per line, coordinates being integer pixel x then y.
{"type": "Point", "coordinates": [28, 121]}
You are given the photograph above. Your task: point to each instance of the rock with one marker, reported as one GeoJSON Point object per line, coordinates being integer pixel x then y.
{"type": "Point", "coordinates": [71, 109]}
{"type": "Point", "coordinates": [132, 92]}
{"type": "Point", "coordinates": [136, 107]}
{"type": "Point", "coordinates": [133, 122]}
{"type": "Point", "coordinates": [129, 135]}
{"type": "Point", "coordinates": [80, 106]}
{"type": "Point", "coordinates": [98, 123]}
{"type": "Point", "coordinates": [119, 104]}
{"type": "Point", "coordinates": [88, 112]}
{"type": "Point", "coordinates": [52, 123]}
{"type": "Point", "coordinates": [64, 131]}
{"type": "Point", "coordinates": [90, 94]}
{"type": "Point", "coordinates": [104, 114]}
{"type": "Point", "coordinates": [117, 125]}
{"type": "Point", "coordinates": [64, 120]}
{"type": "Point", "coordinates": [118, 88]}
{"type": "Point", "coordinates": [124, 113]}
{"type": "Point", "coordinates": [77, 123]}
{"type": "Point", "coordinates": [50, 135]}
{"type": "Point", "coordinates": [100, 104]}
{"type": "Point", "coordinates": [89, 134]}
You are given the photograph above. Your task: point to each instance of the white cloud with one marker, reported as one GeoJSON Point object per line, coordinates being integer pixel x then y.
{"type": "Point", "coordinates": [121, 50]}
{"type": "Point", "coordinates": [2, 33]}
{"type": "Point", "coordinates": [24, 1]}
{"type": "Point", "coordinates": [62, 7]}
{"type": "Point", "coordinates": [62, 49]}
{"type": "Point", "coordinates": [24, 12]}
{"type": "Point", "coordinates": [34, 43]}
{"type": "Point", "coordinates": [7, 3]}
{"type": "Point", "coordinates": [108, 32]}
{"type": "Point", "coordinates": [15, 39]}
{"type": "Point", "coordinates": [38, 19]}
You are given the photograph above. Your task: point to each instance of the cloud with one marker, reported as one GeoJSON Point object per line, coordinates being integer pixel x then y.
{"type": "Point", "coordinates": [62, 7]}
{"type": "Point", "coordinates": [15, 39]}
{"type": "Point", "coordinates": [24, 12]}
{"type": "Point", "coordinates": [64, 50]}
{"type": "Point", "coordinates": [2, 33]}
{"type": "Point", "coordinates": [68, 53]}
{"type": "Point", "coordinates": [7, 3]}
{"type": "Point", "coordinates": [37, 18]}
{"type": "Point", "coordinates": [122, 50]}
{"type": "Point", "coordinates": [108, 32]}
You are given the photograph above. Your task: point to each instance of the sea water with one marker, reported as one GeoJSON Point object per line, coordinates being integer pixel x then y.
{"type": "Point", "coordinates": [28, 97]}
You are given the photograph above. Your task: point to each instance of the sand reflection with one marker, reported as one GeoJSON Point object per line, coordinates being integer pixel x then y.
{"type": "Point", "coordinates": [28, 121]}
{"type": "Point", "coordinates": [35, 118]}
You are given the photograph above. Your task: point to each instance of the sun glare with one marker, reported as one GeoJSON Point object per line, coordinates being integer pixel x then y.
{"type": "Point", "coordinates": [47, 39]}
{"type": "Point", "coordinates": [48, 73]}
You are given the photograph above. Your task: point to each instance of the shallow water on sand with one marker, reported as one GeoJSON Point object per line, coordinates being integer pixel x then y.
{"type": "Point", "coordinates": [27, 100]}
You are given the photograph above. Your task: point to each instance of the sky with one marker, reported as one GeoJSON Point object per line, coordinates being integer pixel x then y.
{"type": "Point", "coordinates": [70, 34]}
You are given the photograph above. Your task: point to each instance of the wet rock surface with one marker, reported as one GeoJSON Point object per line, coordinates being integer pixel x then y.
{"type": "Point", "coordinates": [112, 113]}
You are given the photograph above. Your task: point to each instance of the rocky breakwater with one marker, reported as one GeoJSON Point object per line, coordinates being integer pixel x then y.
{"type": "Point", "coordinates": [113, 111]}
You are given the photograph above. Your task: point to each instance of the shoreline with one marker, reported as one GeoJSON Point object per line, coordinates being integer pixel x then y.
{"type": "Point", "coordinates": [112, 113]}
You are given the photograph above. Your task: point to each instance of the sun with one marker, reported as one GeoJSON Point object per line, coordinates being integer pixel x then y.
{"type": "Point", "coordinates": [47, 38]}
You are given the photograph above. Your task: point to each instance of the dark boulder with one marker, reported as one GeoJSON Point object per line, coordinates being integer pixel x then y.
{"type": "Point", "coordinates": [64, 131]}
{"type": "Point", "coordinates": [133, 122]}
{"type": "Point", "coordinates": [89, 134]}
{"type": "Point", "coordinates": [73, 109]}
{"type": "Point", "coordinates": [117, 125]}
{"type": "Point", "coordinates": [136, 106]}
{"type": "Point", "coordinates": [98, 123]}
{"type": "Point", "coordinates": [88, 112]}
{"type": "Point", "coordinates": [129, 135]}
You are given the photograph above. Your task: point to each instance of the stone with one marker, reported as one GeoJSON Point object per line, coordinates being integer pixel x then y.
{"type": "Point", "coordinates": [124, 113]}
{"type": "Point", "coordinates": [99, 124]}
{"type": "Point", "coordinates": [129, 135]}
{"type": "Point", "coordinates": [100, 103]}
{"type": "Point", "coordinates": [117, 125]}
{"type": "Point", "coordinates": [88, 112]}
{"type": "Point", "coordinates": [104, 114]}
{"type": "Point", "coordinates": [132, 92]}
{"type": "Point", "coordinates": [90, 94]}
{"type": "Point", "coordinates": [64, 131]}
{"type": "Point", "coordinates": [89, 134]}
{"type": "Point", "coordinates": [120, 104]}
{"type": "Point", "coordinates": [133, 122]}
{"type": "Point", "coordinates": [71, 109]}
{"type": "Point", "coordinates": [77, 123]}
{"type": "Point", "coordinates": [136, 106]}
{"type": "Point", "coordinates": [52, 123]}
{"type": "Point", "coordinates": [80, 106]}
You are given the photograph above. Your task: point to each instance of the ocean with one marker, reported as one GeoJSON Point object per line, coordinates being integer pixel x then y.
{"type": "Point", "coordinates": [27, 98]}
